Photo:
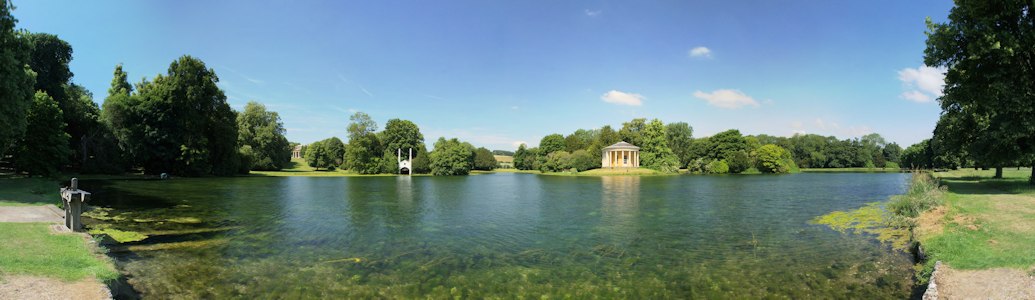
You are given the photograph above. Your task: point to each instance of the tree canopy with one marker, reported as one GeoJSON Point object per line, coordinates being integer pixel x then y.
{"type": "Point", "coordinates": [263, 132]}
{"type": "Point", "coordinates": [451, 157]}
{"type": "Point", "coordinates": [16, 79]}
{"type": "Point", "coordinates": [988, 106]}
{"type": "Point", "coordinates": [45, 146]}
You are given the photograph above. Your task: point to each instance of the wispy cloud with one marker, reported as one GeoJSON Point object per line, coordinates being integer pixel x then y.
{"type": "Point", "coordinates": [242, 75]}
{"type": "Point", "coordinates": [622, 98]}
{"type": "Point", "coordinates": [726, 98]}
{"type": "Point", "coordinates": [923, 84]}
{"type": "Point", "coordinates": [593, 13]}
{"type": "Point", "coordinates": [700, 52]}
{"type": "Point", "coordinates": [360, 86]}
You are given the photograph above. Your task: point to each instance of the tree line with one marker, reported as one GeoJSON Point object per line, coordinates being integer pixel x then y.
{"type": "Point", "coordinates": [370, 151]}
{"type": "Point", "coordinates": [178, 122]}
{"type": "Point", "coordinates": [668, 147]}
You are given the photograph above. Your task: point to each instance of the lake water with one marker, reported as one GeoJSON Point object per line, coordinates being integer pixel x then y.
{"type": "Point", "coordinates": [502, 235]}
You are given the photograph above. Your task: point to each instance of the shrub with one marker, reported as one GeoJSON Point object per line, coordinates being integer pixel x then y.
{"type": "Point", "coordinates": [891, 165]}
{"type": "Point", "coordinates": [717, 167]}
{"type": "Point", "coordinates": [738, 162]}
{"type": "Point", "coordinates": [583, 160]}
{"type": "Point", "coordinates": [924, 193]}
{"type": "Point", "coordinates": [556, 161]}
{"type": "Point", "coordinates": [772, 159]}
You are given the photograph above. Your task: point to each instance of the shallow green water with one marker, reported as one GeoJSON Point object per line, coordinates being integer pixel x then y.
{"type": "Point", "coordinates": [502, 235]}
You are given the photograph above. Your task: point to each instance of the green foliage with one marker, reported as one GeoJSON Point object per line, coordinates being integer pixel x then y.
{"type": "Point", "coordinates": [483, 160]}
{"type": "Point", "coordinates": [421, 160]}
{"type": "Point", "coordinates": [49, 59]}
{"type": "Point", "coordinates": [580, 139]}
{"type": "Point", "coordinates": [451, 157]}
{"type": "Point", "coordinates": [724, 144]}
{"type": "Point", "coordinates": [717, 167]}
{"type": "Point", "coordinates": [680, 136]}
{"type": "Point", "coordinates": [401, 134]}
{"type": "Point", "coordinates": [263, 132]}
{"type": "Point", "coordinates": [363, 154]}
{"type": "Point", "coordinates": [739, 161]}
{"type": "Point", "coordinates": [360, 124]}
{"type": "Point", "coordinates": [318, 157]}
{"type": "Point", "coordinates": [179, 123]}
{"type": "Point", "coordinates": [605, 137]}
{"type": "Point", "coordinates": [551, 143]}
{"type": "Point", "coordinates": [45, 145]}
{"type": "Point", "coordinates": [654, 152]}
{"type": "Point", "coordinates": [522, 158]}
{"type": "Point", "coordinates": [891, 165]}
{"type": "Point", "coordinates": [336, 150]}
{"type": "Point", "coordinates": [986, 49]}
{"type": "Point", "coordinates": [556, 161]}
{"type": "Point", "coordinates": [632, 131]}
{"type": "Point", "coordinates": [247, 156]}
{"type": "Point", "coordinates": [16, 79]}
{"type": "Point", "coordinates": [583, 160]}
{"type": "Point", "coordinates": [924, 193]}
{"type": "Point", "coordinates": [772, 159]}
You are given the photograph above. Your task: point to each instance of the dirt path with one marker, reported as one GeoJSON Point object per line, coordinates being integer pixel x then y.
{"type": "Point", "coordinates": [32, 214]}
{"type": "Point", "coordinates": [984, 284]}
{"type": "Point", "coordinates": [30, 287]}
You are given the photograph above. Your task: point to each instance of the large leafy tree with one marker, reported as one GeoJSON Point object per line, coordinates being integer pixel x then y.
{"type": "Point", "coordinates": [16, 79]}
{"type": "Point", "coordinates": [363, 155]}
{"type": "Point", "coordinates": [679, 136]}
{"type": "Point", "coordinates": [551, 143]}
{"type": "Point", "coordinates": [773, 159]}
{"type": "Point", "coordinates": [316, 156]}
{"type": "Point", "coordinates": [724, 144]}
{"type": "Point", "coordinates": [263, 131]}
{"type": "Point", "coordinates": [632, 131]}
{"type": "Point", "coordinates": [484, 160]}
{"type": "Point", "coordinates": [522, 158]}
{"type": "Point", "coordinates": [45, 145]}
{"type": "Point", "coordinates": [178, 123]}
{"type": "Point", "coordinates": [988, 106]}
{"type": "Point", "coordinates": [50, 58]}
{"type": "Point", "coordinates": [451, 157]}
{"type": "Point", "coordinates": [655, 152]}
{"type": "Point", "coordinates": [400, 136]}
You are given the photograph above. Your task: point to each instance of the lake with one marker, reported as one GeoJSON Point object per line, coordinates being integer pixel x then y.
{"type": "Point", "coordinates": [501, 235]}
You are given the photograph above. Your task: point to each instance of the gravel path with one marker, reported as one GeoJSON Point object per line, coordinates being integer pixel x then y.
{"type": "Point", "coordinates": [30, 287]}
{"type": "Point", "coordinates": [32, 214]}
{"type": "Point", "coordinates": [984, 284]}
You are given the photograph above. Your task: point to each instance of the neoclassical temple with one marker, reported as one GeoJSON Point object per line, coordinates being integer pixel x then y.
{"type": "Point", "coordinates": [620, 155]}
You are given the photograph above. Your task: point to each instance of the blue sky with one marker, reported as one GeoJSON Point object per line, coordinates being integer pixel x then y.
{"type": "Point", "coordinates": [498, 73]}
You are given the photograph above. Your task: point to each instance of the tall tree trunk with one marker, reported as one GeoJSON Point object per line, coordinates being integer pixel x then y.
{"type": "Point", "coordinates": [1031, 180]}
{"type": "Point", "coordinates": [998, 173]}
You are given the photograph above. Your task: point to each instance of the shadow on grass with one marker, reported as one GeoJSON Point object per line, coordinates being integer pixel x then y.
{"type": "Point", "coordinates": [971, 185]}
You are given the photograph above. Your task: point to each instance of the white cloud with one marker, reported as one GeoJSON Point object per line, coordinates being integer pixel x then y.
{"type": "Point", "coordinates": [622, 98]}
{"type": "Point", "coordinates": [701, 51]}
{"type": "Point", "coordinates": [924, 83]}
{"type": "Point", "coordinates": [725, 98]}
{"type": "Point", "coordinates": [915, 96]}
{"type": "Point", "coordinates": [593, 13]}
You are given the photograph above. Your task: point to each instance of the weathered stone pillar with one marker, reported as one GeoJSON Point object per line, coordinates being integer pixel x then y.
{"type": "Point", "coordinates": [73, 199]}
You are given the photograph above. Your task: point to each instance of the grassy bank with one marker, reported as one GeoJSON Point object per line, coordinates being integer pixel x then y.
{"type": "Point", "coordinates": [29, 191]}
{"type": "Point", "coordinates": [985, 223]}
{"type": "Point", "coordinates": [298, 167]}
{"type": "Point", "coordinates": [31, 249]}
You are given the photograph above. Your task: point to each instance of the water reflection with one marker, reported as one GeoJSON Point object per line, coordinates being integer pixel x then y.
{"type": "Point", "coordinates": [620, 201]}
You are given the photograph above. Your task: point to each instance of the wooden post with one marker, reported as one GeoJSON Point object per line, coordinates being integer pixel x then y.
{"type": "Point", "coordinates": [74, 199]}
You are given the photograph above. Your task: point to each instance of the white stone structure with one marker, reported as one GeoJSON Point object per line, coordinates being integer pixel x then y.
{"type": "Point", "coordinates": [620, 155]}
{"type": "Point", "coordinates": [404, 165]}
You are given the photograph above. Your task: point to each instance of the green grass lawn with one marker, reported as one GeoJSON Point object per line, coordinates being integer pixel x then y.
{"type": "Point", "coordinates": [987, 223]}
{"type": "Point", "coordinates": [29, 191]}
{"type": "Point", "coordinates": [31, 249]}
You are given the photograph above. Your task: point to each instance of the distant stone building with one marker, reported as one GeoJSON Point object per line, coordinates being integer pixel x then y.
{"type": "Point", "coordinates": [296, 152]}
{"type": "Point", "coordinates": [620, 155]}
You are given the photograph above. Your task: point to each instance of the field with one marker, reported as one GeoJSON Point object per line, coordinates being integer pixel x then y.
{"type": "Point", "coordinates": [29, 191]}
{"type": "Point", "coordinates": [986, 223]}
